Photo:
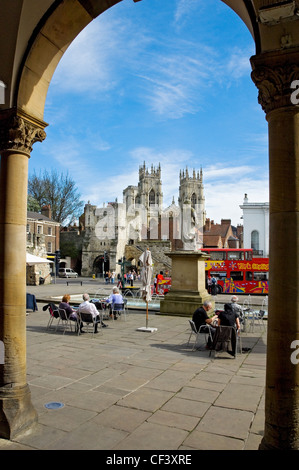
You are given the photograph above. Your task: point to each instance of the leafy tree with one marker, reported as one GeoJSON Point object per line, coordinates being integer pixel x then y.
{"type": "Point", "coordinates": [59, 191]}
{"type": "Point", "coordinates": [32, 204]}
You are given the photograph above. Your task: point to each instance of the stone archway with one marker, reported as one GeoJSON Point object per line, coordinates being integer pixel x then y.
{"type": "Point", "coordinates": [274, 27]}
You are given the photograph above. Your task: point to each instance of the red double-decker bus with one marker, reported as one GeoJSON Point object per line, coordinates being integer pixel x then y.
{"type": "Point", "coordinates": [236, 271]}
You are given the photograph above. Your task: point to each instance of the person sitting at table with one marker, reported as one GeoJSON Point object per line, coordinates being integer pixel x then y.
{"type": "Point", "coordinates": [200, 317]}
{"type": "Point", "coordinates": [65, 305]}
{"type": "Point", "coordinates": [229, 317]}
{"type": "Point", "coordinates": [89, 307]}
{"type": "Point", "coordinates": [115, 298]}
{"type": "Point", "coordinates": [236, 307]}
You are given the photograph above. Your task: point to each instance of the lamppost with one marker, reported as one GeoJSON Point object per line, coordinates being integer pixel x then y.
{"type": "Point", "coordinates": [123, 263]}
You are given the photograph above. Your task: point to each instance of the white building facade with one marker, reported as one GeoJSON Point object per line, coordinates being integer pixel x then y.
{"type": "Point", "coordinates": [256, 227]}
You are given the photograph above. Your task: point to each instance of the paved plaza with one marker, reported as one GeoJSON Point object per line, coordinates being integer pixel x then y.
{"type": "Point", "coordinates": [125, 389]}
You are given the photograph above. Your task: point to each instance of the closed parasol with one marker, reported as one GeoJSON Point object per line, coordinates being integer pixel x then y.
{"type": "Point", "coordinates": [146, 279]}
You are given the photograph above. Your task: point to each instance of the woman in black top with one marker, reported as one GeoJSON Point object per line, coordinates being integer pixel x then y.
{"type": "Point", "coordinates": [229, 317]}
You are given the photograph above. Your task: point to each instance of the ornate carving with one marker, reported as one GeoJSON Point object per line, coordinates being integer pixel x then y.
{"type": "Point", "coordinates": [274, 85]}
{"type": "Point", "coordinates": [16, 133]}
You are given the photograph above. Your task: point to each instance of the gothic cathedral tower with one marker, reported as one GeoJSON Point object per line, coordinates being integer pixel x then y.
{"type": "Point", "coordinates": [191, 191]}
{"type": "Point", "coordinates": [150, 188]}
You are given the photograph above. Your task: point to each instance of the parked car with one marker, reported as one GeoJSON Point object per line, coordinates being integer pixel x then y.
{"type": "Point", "coordinates": [67, 272]}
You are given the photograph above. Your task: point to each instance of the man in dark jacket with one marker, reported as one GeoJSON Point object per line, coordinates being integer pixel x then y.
{"type": "Point", "coordinates": [200, 316]}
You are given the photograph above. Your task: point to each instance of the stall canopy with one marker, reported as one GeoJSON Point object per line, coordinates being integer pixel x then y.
{"type": "Point", "coordinates": [31, 260]}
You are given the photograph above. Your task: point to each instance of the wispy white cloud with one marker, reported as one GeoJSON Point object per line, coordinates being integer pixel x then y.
{"type": "Point", "coordinates": [184, 8]}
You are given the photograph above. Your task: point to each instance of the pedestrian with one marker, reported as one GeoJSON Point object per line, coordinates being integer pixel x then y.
{"type": "Point", "coordinates": [213, 286]}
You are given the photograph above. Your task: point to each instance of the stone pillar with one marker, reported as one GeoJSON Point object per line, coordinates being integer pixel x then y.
{"type": "Point", "coordinates": [17, 136]}
{"type": "Point", "coordinates": [274, 74]}
{"type": "Point", "coordinates": [188, 290]}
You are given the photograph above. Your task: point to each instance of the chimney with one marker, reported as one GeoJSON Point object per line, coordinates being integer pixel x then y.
{"type": "Point", "coordinates": [226, 221]}
{"type": "Point", "coordinates": [46, 211]}
{"type": "Point", "coordinates": [208, 225]}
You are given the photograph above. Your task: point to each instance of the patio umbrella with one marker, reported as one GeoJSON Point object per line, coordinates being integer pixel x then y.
{"type": "Point", "coordinates": [146, 278]}
{"type": "Point", "coordinates": [32, 259]}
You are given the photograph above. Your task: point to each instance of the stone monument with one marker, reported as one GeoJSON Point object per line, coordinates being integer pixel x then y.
{"type": "Point", "coordinates": [188, 291]}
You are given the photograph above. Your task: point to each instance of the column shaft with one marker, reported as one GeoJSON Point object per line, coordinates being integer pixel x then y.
{"type": "Point", "coordinates": [282, 381]}
{"type": "Point", "coordinates": [273, 74]}
{"type": "Point", "coordinates": [16, 138]}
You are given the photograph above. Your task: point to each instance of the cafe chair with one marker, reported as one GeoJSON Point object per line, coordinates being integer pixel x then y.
{"type": "Point", "coordinates": [89, 322]}
{"type": "Point", "coordinates": [117, 310]}
{"type": "Point", "coordinates": [257, 320]}
{"type": "Point", "coordinates": [226, 339]}
{"type": "Point", "coordinates": [54, 315]}
{"type": "Point", "coordinates": [64, 320]}
{"type": "Point", "coordinates": [203, 329]}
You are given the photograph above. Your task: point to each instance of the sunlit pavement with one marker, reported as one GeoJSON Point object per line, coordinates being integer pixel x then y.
{"type": "Point", "coordinates": [126, 389]}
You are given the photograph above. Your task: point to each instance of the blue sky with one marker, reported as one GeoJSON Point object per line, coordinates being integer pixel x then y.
{"type": "Point", "coordinates": [159, 81]}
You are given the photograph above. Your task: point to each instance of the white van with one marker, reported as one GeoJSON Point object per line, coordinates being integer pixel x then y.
{"type": "Point", "coordinates": [67, 272]}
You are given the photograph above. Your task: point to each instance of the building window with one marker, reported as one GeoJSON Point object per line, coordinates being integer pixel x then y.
{"type": "Point", "coordinates": [255, 245]}
{"type": "Point", "coordinates": [39, 229]}
{"type": "Point", "coordinates": [193, 200]}
{"type": "Point", "coordinates": [49, 247]}
{"type": "Point", "coordinates": [49, 230]}
{"type": "Point", "coordinates": [152, 198]}
{"type": "Point", "coordinates": [28, 228]}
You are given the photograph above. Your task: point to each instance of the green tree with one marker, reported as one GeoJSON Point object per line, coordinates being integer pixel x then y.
{"type": "Point", "coordinates": [32, 204]}
{"type": "Point", "coordinates": [58, 190]}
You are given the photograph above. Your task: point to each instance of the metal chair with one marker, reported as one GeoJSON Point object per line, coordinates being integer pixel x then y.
{"type": "Point", "coordinates": [228, 339]}
{"type": "Point", "coordinates": [257, 320]}
{"type": "Point", "coordinates": [117, 310]}
{"type": "Point", "coordinates": [89, 321]}
{"type": "Point", "coordinates": [205, 329]}
{"type": "Point", "coordinates": [54, 315]}
{"type": "Point", "coordinates": [64, 320]}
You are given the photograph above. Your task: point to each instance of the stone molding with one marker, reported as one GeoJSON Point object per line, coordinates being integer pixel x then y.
{"type": "Point", "coordinates": [19, 133]}
{"type": "Point", "coordinates": [273, 75]}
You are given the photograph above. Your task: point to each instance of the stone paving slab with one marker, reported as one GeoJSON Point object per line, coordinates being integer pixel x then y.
{"type": "Point", "coordinates": [128, 390]}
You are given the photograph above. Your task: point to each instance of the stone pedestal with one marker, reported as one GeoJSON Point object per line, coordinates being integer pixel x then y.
{"type": "Point", "coordinates": [188, 290]}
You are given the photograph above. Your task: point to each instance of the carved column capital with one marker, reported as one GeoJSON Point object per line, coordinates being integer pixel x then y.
{"type": "Point", "coordinates": [19, 132]}
{"type": "Point", "coordinates": [274, 74]}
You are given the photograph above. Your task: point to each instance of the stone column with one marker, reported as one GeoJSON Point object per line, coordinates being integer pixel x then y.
{"type": "Point", "coordinates": [274, 74]}
{"type": "Point", "coordinates": [17, 135]}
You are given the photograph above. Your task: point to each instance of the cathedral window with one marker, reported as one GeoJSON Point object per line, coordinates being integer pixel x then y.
{"type": "Point", "coordinates": [152, 198]}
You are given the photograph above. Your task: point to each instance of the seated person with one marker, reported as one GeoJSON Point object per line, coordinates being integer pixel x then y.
{"type": "Point", "coordinates": [115, 298]}
{"type": "Point", "coordinates": [236, 307]}
{"type": "Point", "coordinates": [200, 317]}
{"type": "Point", "coordinates": [88, 307]}
{"type": "Point", "coordinates": [229, 317]}
{"type": "Point", "coordinates": [65, 305]}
